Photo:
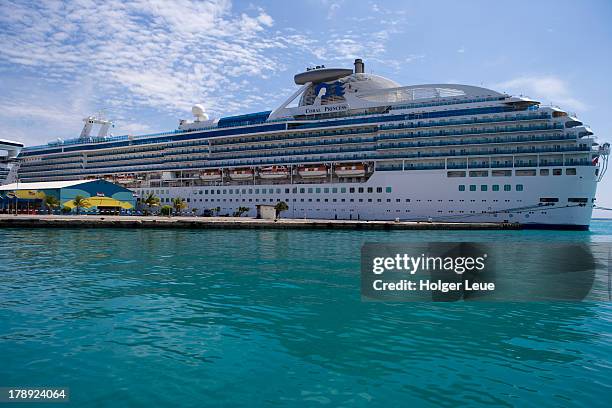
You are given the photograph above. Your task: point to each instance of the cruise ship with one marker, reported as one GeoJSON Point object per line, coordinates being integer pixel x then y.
{"type": "Point", "coordinates": [353, 145]}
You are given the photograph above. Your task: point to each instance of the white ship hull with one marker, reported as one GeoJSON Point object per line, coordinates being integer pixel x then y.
{"type": "Point", "coordinates": [443, 202]}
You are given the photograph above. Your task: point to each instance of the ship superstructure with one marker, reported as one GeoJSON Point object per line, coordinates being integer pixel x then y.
{"type": "Point", "coordinates": [353, 145]}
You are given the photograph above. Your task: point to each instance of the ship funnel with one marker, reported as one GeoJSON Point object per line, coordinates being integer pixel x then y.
{"type": "Point", "coordinates": [359, 67]}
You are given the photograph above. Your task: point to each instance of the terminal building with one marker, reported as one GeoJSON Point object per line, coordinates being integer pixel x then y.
{"type": "Point", "coordinates": [99, 196]}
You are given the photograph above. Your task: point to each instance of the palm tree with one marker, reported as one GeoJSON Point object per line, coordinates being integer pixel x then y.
{"type": "Point", "coordinates": [79, 201]}
{"type": "Point", "coordinates": [178, 204]}
{"type": "Point", "coordinates": [151, 201]}
{"type": "Point", "coordinates": [280, 207]}
{"type": "Point", "coordinates": [51, 202]}
{"type": "Point", "coordinates": [165, 210]}
{"type": "Point", "coordinates": [240, 211]}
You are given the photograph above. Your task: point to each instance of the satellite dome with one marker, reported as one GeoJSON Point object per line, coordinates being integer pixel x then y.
{"type": "Point", "coordinates": [199, 112]}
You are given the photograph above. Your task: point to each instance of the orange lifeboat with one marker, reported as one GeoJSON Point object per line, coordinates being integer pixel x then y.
{"type": "Point", "coordinates": [274, 172]}
{"type": "Point", "coordinates": [317, 171]}
{"type": "Point", "coordinates": [124, 179]}
{"type": "Point", "coordinates": [241, 174]}
{"type": "Point", "coordinates": [210, 175]}
{"type": "Point", "coordinates": [350, 170]}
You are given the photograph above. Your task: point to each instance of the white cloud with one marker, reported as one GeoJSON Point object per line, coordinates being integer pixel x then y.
{"type": "Point", "coordinates": [157, 54]}
{"type": "Point", "coordinates": [548, 89]}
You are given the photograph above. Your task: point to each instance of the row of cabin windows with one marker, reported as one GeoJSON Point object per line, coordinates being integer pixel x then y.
{"type": "Point", "coordinates": [302, 190]}
{"type": "Point", "coordinates": [508, 173]}
{"type": "Point", "coordinates": [494, 187]}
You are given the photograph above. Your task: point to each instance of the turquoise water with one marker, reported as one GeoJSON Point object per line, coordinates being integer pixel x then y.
{"type": "Point", "coordinates": [274, 318]}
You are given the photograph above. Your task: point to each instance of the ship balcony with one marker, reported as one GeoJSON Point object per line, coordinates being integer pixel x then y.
{"type": "Point", "coordinates": [474, 121]}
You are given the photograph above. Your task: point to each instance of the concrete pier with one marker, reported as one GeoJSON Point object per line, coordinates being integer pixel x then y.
{"type": "Point", "coordinates": [102, 221]}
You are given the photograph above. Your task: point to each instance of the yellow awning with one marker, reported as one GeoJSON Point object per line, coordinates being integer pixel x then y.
{"type": "Point", "coordinates": [101, 202]}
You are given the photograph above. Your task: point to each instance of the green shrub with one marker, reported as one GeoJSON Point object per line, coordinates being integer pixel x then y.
{"type": "Point", "coordinates": [165, 210]}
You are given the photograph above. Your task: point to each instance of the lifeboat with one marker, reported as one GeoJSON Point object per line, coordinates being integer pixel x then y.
{"type": "Point", "coordinates": [274, 172]}
{"type": "Point", "coordinates": [124, 179]}
{"type": "Point", "coordinates": [350, 170]}
{"type": "Point", "coordinates": [210, 175]}
{"type": "Point", "coordinates": [312, 171]}
{"type": "Point", "coordinates": [241, 174]}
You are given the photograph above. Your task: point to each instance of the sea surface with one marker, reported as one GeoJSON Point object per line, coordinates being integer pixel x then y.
{"type": "Point", "coordinates": [147, 318]}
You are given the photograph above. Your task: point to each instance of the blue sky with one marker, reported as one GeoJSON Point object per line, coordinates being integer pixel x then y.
{"type": "Point", "coordinates": [147, 62]}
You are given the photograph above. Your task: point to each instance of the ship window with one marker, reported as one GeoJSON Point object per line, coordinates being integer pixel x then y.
{"type": "Point", "coordinates": [302, 190]}
{"type": "Point", "coordinates": [549, 200]}
{"type": "Point", "coordinates": [334, 190]}
{"type": "Point", "coordinates": [244, 191]}
{"type": "Point", "coordinates": [544, 172]}
{"type": "Point", "coordinates": [318, 190]}
{"type": "Point", "coordinates": [295, 189]}
{"type": "Point", "coordinates": [557, 172]}
{"type": "Point", "coordinates": [455, 174]}
{"type": "Point", "coordinates": [578, 200]}
{"type": "Point", "coordinates": [495, 187]}
{"type": "Point", "coordinates": [472, 187]}
{"type": "Point", "coordinates": [507, 187]}
{"type": "Point", "coordinates": [483, 187]}
{"type": "Point", "coordinates": [326, 190]}
{"type": "Point", "coordinates": [501, 173]}
{"type": "Point", "coordinates": [370, 189]}
{"type": "Point", "coordinates": [343, 189]}
{"type": "Point", "coordinates": [519, 187]}
{"type": "Point", "coordinates": [570, 172]}
{"type": "Point", "coordinates": [256, 191]}
{"type": "Point", "coordinates": [271, 191]}
{"type": "Point", "coordinates": [352, 190]}
{"type": "Point", "coordinates": [360, 190]}
{"type": "Point", "coordinates": [479, 173]}
{"type": "Point", "coordinates": [461, 187]}
{"type": "Point", "coordinates": [310, 191]}
{"type": "Point", "coordinates": [529, 172]}
{"type": "Point", "coordinates": [388, 189]}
